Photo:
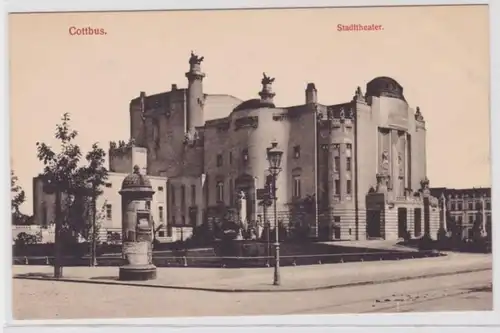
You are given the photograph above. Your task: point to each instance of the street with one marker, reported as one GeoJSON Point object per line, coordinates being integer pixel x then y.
{"type": "Point", "coordinates": [66, 300]}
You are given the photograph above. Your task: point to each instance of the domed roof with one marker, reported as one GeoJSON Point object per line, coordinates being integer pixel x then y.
{"type": "Point", "coordinates": [384, 86]}
{"type": "Point", "coordinates": [255, 103]}
{"type": "Point", "coordinates": [136, 182]}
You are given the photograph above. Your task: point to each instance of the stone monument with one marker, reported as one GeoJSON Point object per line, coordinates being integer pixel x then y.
{"type": "Point", "coordinates": [137, 193]}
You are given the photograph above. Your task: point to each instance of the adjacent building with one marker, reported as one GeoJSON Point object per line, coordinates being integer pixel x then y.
{"type": "Point", "coordinates": [469, 209]}
{"type": "Point", "coordinates": [363, 161]}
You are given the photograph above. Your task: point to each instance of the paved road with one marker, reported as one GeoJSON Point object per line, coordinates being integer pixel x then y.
{"type": "Point", "coordinates": [65, 300]}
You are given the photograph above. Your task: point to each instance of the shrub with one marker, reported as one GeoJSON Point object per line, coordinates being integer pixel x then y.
{"type": "Point", "coordinates": [24, 238]}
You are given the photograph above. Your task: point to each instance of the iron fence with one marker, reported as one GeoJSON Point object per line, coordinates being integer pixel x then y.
{"type": "Point", "coordinates": [238, 261]}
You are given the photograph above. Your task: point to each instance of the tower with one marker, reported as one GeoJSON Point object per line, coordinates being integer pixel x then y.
{"type": "Point", "coordinates": [311, 94]}
{"type": "Point", "coordinates": [195, 98]}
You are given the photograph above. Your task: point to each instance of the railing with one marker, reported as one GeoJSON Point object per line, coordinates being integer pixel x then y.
{"type": "Point", "coordinates": [257, 261]}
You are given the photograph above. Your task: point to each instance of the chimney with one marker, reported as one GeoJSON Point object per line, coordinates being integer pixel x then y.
{"type": "Point", "coordinates": [174, 86]}
{"type": "Point", "coordinates": [311, 94]}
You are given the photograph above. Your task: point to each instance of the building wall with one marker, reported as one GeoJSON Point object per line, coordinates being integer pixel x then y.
{"type": "Point", "coordinates": [123, 160]}
{"type": "Point", "coordinates": [366, 157]}
{"type": "Point", "coordinates": [185, 197]}
{"type": "Point", "coordinates": [236, 150]}
{"type": "Point", "coordinates": [109, 203]}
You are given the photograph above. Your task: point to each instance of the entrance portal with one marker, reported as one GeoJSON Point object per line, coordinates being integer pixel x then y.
{"type": "Point", "coordinates": [374, 223]}
{"type": "Point", "coordinates": [418, 222]}
{"type": "Point", "coordinates": [402, 222]}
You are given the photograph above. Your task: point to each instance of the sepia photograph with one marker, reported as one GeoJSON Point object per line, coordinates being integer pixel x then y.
{"type": "Point", "coordinates": [250, 162]}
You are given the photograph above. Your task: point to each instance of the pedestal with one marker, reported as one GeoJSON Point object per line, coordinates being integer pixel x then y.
{"type": "Point", "coordinates": [138, 265]}
{"type": "Point", "coordinates": [137, 273]}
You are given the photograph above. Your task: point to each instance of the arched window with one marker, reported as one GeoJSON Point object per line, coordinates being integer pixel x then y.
{"type": "Point", "coordinates": [220, 191]}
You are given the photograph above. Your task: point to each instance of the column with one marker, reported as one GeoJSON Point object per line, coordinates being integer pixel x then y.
{"type": "Point", "coordinates": [445, 227]}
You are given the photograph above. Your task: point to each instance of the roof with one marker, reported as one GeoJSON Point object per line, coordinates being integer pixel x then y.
{"type": "Point", "coordinates": [136, 182]}
{"type": "Point", "coordinates": [384, 86]}
{"type": "Point", "coordinates": [219, 106]}
{"type": "Point", "coordinates": [255, 103]}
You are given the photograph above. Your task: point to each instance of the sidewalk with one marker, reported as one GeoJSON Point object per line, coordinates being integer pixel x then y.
{"type": "Point", "coordinates": [300, 278]}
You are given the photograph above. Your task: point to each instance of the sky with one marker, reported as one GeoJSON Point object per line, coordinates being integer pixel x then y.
{"type": "Point", "coordinates": [440, 55]}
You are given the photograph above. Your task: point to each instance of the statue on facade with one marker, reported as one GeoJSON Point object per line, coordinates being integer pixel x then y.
{"type": "Point", "coordinates": [385, 160]}
{"type": "Point", "coordinates": [418, 115]}
{"type": "Point", "coordinates": [382, 183]}
{"type": "Point", "coordinates": [267, 79]}
{"type": "Point", "coordinates": [424, 184]}
{"type": "Point", "coordinates": [195, 59]}
{"type": "Point", "coordinates": [342, 114]}
{"type": "Point", "coordinates": [358, 95]}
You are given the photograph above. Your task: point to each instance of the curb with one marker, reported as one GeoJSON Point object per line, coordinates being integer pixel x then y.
{"type": "Point", "coordinates": [249, 290]}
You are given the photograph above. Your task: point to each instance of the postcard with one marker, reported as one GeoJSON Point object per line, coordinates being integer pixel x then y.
{"type": "Point", "coordinates": [254, 162]}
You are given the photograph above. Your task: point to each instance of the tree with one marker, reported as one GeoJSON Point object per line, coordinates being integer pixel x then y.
{"type": "Point", "coordinates": [71, 183]}
{"type": "Point", "coordinates": [18, 197]}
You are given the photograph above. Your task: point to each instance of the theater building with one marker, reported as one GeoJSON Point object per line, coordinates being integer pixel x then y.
{"type": "Point", "coordinates": [363, 161]}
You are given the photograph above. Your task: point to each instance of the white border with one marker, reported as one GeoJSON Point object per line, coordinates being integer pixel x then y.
{"type": "Point", "coordinates": [352, 323]}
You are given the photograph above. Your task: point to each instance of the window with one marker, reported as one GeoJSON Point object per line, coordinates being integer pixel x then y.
{"type": "Point", "coordinates": [230, 158]}
{"type": "Point", "coordinates": [459, 206]}
{"type": "Point", "coordinates": [160, 188]}
{"type": "Point", "coordinates": [349, 186]}
{"type": "Point", "coordinates": [183, 220]}
{"type": "Point", "coordinates": [183, 197]}
{"type": "Point", "coordinates": [220, 192]}
{"type": "Point", "coordinates": [488, 205]}
{"type": "Point", "coordinates": [478, 206]}
{"type": "Point", "coordinates": [109, 185]}
{"type": "Point", "coordinates": [470, 233]}
{"type": "Point", "coordinates": [453, 206]}
{"type": "Point", "coordinates": [193, 195]}
{"type": "Point", "coordinates": [109, 212]}
{"type": "Point", "coordinates": [336, 166]}
{"type": "Point", "coordinates": [460, 218]}
{"type": "Point", "coordinates": [471, 218]}
{"type": "Point", "coordinates": [172, 194]}
{"type": "Point", "coordinates": [219, 160]}
{"type": "Point", "coordinates": [296, 151]}
{"type": "Point", "coordinates": [156, 133]}
{"type": "Point", "coordinates": [470, 205]}
{"type": "Point", "coordinates": [174, 222]}
{"type": "Point", "coordinates": [244, 155]}
{"type": "Point", "coordinates": [348, 164]}
{"type": "Point", "coordinates": [161, 233]}
{"type": "Point", "coordinates": [160, 213]}
{"type": "Point", "coordinates": [349, 146]}
{"type": "Point", "coordinates": [296, 187]}
{"type": "Point", "coordinates": [337, 187]}
{"type": "Point", "coordinates": [231, 191]}
{"type": "Point", "coordinates": [336, 219]}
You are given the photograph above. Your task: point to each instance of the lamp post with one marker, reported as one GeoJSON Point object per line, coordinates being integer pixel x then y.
{"type": "Point", "coordinates": [274, 158]}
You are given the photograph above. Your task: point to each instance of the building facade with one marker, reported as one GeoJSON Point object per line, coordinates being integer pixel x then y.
{"type": "Point", "coordinates": [362, 161]}
{"type": "Point", "coordinates": [469, 209]}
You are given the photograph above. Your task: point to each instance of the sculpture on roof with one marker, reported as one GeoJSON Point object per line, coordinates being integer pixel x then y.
{"type": "Point", "coordinates": [195, 59]}
{"type": "Point", "coordinates": [267, 79]}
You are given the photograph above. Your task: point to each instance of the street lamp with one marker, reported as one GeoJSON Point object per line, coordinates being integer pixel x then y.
{"type": "Point", "coordinates": [274, 156]}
